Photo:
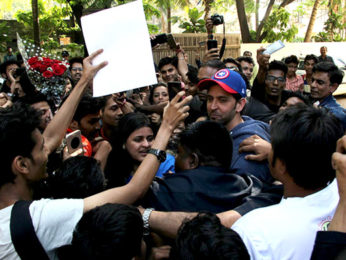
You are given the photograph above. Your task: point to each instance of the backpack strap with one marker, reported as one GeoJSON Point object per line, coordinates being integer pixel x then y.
{"type": "Point", "coordinates": [23, 233]}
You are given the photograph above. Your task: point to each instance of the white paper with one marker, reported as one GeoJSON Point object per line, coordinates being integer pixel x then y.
{"type": "Point", "coordinates": [274, 47]}
{"type": "Point", "coordinates": [123, 35]}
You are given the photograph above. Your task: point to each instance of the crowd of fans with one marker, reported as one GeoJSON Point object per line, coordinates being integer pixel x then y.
{"type": "Point", "coordinates": [228, 159]}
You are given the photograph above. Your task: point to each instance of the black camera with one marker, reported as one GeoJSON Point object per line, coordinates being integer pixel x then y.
{"type": "Point", "coordinates": [217, 19]}
{"type": "Point", "coordinates": [159, 39]}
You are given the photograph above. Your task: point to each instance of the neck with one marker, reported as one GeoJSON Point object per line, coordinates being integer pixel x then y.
{"type": "Point", "coordinates": [107, 131]}
{"type": "Point", "coordinates": [273, 100]}
{"type": "Point", "coordinates": [12, 192]}
{"type": "Point", "coordinates": [293, 190]}
{"type": "Point", "coordinates": [234, 122]}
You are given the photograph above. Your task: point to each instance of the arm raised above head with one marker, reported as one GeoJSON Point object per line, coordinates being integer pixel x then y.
{"type": "Point", "coordinates": [174, 112]}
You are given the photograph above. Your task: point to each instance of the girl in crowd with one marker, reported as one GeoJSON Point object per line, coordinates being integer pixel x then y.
{"type": "Point", "coordinates": [135, 138]}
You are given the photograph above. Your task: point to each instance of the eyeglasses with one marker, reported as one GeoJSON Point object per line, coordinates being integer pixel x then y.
{"type": "Point", "coordinates": [77, 69]}
{"type": "Point", "coordinates": [279, 79]}
{"type": "Point", "coordinates": [233, 68]}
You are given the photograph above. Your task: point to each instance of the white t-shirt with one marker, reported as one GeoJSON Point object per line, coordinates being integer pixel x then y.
{"type": "Point", "coordinates": [53, 220]}
{"type": "Point", "coordinates": [287, 230]}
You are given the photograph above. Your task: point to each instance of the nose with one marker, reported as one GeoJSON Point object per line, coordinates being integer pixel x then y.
{"type": "Point", "coordinates": [213, 105]}
{"type": "Point", "coordinates": [146, 143]}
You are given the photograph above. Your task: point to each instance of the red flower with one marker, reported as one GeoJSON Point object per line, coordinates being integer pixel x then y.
{"type": "Point", "coordinates": [58, 69]}
{"type": "Point", "coordinates": [33, 60]}
{"type": "Point", "coordinates": [47, 74]}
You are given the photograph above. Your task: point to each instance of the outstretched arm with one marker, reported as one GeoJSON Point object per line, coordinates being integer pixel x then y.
{"type": "Point", "coordinates": [56, 129]}
{"type": "Point", "coordinates": [174, 112]}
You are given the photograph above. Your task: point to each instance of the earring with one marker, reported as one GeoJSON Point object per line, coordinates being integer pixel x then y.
{"type": "Point", "coordinates": [124, 148]}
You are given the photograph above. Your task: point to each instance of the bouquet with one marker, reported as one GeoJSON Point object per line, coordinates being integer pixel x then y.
{"type": "Point", "coordinates": [45, 71]}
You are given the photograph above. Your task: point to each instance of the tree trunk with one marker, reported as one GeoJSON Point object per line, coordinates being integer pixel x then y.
{"type": "Point", "coordinates": [207, 8]}
{"type": "Point", "coordinates": [259, 37]}
{"type": "Point", "coordinates": [312, 21]}
{"type": "Point", "coordinates": [256, 14]}
{"type": "Point", "coordinates": [244, 27]}
{"type": "Point", "coordinates": [36, 27]}
{"type": "Point", "coordinates": [169, 22]}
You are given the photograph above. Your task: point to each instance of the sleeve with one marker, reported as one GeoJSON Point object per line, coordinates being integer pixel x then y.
{"type": "Point", "coordinates": [329, 245]}
{"type": "Point", "coordinates": [270, 195]}
{"type": "Point", "coordinates": [257, 90]}
{"type": "Point", "coordinates": [254, 242]}
{"type": "Point", "coordinates": [55, 220]}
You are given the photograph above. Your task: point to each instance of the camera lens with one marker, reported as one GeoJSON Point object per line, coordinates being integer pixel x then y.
{"type": "Point", "coordinates": [75, 143]}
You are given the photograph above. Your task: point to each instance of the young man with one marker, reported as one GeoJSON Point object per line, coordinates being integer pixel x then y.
{"type": "Point", "coordinates": [247, 65]}
{"type": "Point", "coordinates": [226, 100]}
{"type": "Point", "coordinates": [303, 140]}
{"type": "Point", "coordinates": [309, 62]}
{"type": "Point", "coordinates": [168, 69]}
{"type": "Point", "coordinates": [7, 69]}
{"type": "Point", "coordinates": [76, 69]}
{"type": "Point", "coordinates": [326, 78]}
{"type": "Point", "coordinates": [24, 161]}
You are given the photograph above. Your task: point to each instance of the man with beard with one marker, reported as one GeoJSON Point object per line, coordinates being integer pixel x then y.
{"type": "Point", "coordinates": [76, 69]}
{"type": "Point", "coordinates": [225, 102]}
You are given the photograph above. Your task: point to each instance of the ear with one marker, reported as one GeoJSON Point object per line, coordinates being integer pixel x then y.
{"type": "Point", "coordinates": [193, 161]}
{"type": "Point", "coordinates": [20, 165]}
{"type": "Point", "coordinates": [280, 168]}
{"type": "Point", "coordinates": [240, 105]}
{"type": "Point", "coordinates": [74, 125]}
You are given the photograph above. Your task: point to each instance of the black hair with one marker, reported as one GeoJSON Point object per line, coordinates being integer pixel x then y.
{"type": "Point", "coordinates": [78, 177]}
{"type": "Point", "coordinates": [291, 59]}
{"type": "Point", "coordinates": [120, 164]}
{"type": "Point", "coordinates": [36, 98]}
{"type": "Point", "coordinates": [107, 232]}
{"type": "Point", "coordinates": [75, 60]}
{"type": "Point", "coordinates": [204, 237]}
{"type": "Point", "coordinates": [17, 126]}
{"type": "Point", "coordinates": [311, 57]}
{"type": "Point", "coordinates": [88, 105]}
{"type": "Point", "coordinates": [168, 60]}
{"type": "Point", "coordinates": [160, 84]}
{"type": "Point", "coordinates": [192, 74]}
{"type": "Point", "coordinates": [299, 95]}
{"type": "Point", "coordinates": [246, 59]}
{"type": "Point", "coordinates": [335, 74]}
{"type": "Point", "coordinates": [216, 64]}
{"type": "Point", "coordinates": [7, 63]}
{"type": "Point", "coordinates": [211, 141]}
{"type": "Point", "coordinates": [304, 138]}
{"type": "Point", "coordinates": [278, 65]}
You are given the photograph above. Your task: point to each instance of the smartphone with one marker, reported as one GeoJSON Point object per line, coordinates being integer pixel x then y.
{"type": "Point", "coordinates": [74, 141]}
{"type": "Point", "coordinates": [160, 38]}
{"type": "Point", "coordinates": [274, 47]}
{"type": "Point", "coordinates": [174, 85]}
{"type": "Point", "coordinates": [171, 42]}
{"type": "Point", "coordinates": [212, 44]}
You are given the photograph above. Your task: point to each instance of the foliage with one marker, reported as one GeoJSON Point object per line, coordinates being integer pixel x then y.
{"type": "Point", "coordinates": [277, 27]}
{"type": "Point", "coordinates": [4, 38]}
{"type": "Point", "coordinates": [332, 28]}
{"type": "Point", "coordinates": [195, 22]}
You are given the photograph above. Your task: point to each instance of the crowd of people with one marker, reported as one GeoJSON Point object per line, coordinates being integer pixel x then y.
{"type": "Point", "coordinates": [225, 159]}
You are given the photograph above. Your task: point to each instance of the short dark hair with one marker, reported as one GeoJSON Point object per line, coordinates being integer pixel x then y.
{"type": "Point", "coordinates": [291, 59]}
{"type": "Point", "coordinates": [75, 60]}
{"type": "Point", "coordinates": [231, 60]}
{"type": "Point", "coordinates": [211, 141]}
{"type": "Point", "coordinates": [311, 57]}
{"type": "Point", "coordinates": [7, 63]}
{"type": "Point", "coordinates": [299, 95]}
{"type": "Point", "coordinates": [107, 232]}
{"type": "Point", "coordinates": [78, 177]}
{"type": "Point", "coordinates": [246, 59]}
{"type": "Point", "coordinates": [192, 74]}
{"type": "Point", "coordinates": [17, 126]}
{"type": "Point", "coordinates": [204, 237]}
{"type": "Point", "coordinates": [216, 64]}
{"type": "Point", "coordinates": [168, 60]}
{"type": "Point", "coordinates": [278, 65]}
{"type": "Point", "coordinates": [304, 138]}
{"type": "Point", "coordinates": [36, 98]}
{"type": "Point", "coordinates": [335, 74]}
{"type": "Point", "coordinates": [88, 105]}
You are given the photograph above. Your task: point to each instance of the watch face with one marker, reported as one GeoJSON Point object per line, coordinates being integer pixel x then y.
{"type": "Point", "coordinates": [161, 155]}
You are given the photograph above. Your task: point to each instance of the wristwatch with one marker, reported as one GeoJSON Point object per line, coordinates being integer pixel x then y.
{"type": "Point", "coordinates": [145, 218]}
{"type": "Point", "coordinates": [161, 155]}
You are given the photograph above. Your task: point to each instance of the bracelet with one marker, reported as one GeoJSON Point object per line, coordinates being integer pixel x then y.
{"type": "Point", "coordinates": [145, 217]}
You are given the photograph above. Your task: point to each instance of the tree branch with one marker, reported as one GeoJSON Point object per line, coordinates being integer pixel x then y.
{"type": "Point", "coordinates": [265, 18]}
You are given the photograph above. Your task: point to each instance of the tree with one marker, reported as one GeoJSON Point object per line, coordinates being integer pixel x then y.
{"type": "Point", "coordinates": [312, 21]}
{"type": "Point", "coordinates": [36, 27]}
{"type": "Point", "coordinates": [247, 36]}
{"type": "Point", "coordinates": [195, 24]}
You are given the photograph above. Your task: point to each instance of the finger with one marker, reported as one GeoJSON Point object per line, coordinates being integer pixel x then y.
{"type": "Point", "coordinates": [94, 54]}
{"type": "Point", "coordinates": [338, 161]}
{"type": "Point", "coordinates": [246, 148]}
{"type": "Point", "coordinates": [177, 97]}
{"type": "Point", "coordinates": [185, 100]}
{"type": "Point", "coordinates": [101, 65]}
{"type": "Point", "coordinates": [253, 157]}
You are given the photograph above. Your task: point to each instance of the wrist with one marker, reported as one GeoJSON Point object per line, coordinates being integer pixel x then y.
{"type": "Point", "coordinates": [146, 217]}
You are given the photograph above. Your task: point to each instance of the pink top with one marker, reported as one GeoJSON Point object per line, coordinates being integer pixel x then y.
{"type": "Point", "coordinates": [294, 84]}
